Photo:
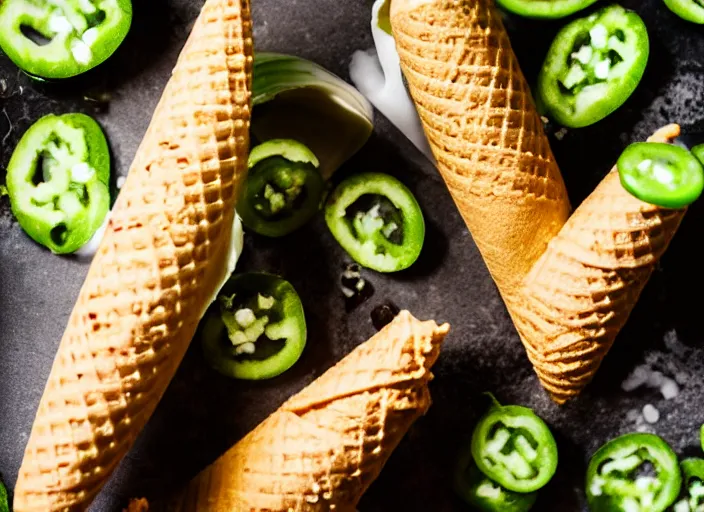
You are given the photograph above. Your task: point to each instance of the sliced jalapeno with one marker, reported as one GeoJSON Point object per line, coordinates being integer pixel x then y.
{"type": "Point", "coordinates": [690, 10]}
{"type": "Point", "coordinates": [633, 473]}
{"type": "Point", "coordinates": [482, 493]}
{"type": "Point", "coordinates": [283, 190]}
{"type": "Point", "coordinates": [546, 9]}
{"type": "Point", "coordinates": [661, 174]}
{"type": "Point", "coordinates": [593, 66]}
{"type": "Point", "coordinates": [698, 151]}
{"type": "Point", "coordinates": [61, 39]}
{"type": "Point", "coordinates": [376, 219]}
{"type": "Point", "coordinates": [692, 494]}
{"type": "Point", "coordinates": [4, 504]}
{"type": "Point", "coordinates": [515, 448]}
{"type": "Point", "coordinates": [58, 181]}
{"type": "Point", "coordinates": [256, 329]}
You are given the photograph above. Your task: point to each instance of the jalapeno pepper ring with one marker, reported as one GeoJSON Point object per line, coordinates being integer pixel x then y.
{"type": "Point", "coordinates": [51, 39]}
{"type": "Point", "coordinates": [480, 492]}
{"type": "Point", "coordinates": [689, 10]}
{"type": "Point", "coordinates": [376, 219]}
{"type": "Point", "coordinates": [661, 174]}
{"type": "Point", "coordinates": [256, 329]}
{"type": "Point", "coordinates": [58, 181]}
{"type": "Point", "coordinates": [545, 9]}
{"type": "Point", "coordinates": [692, 494]}
{"type": "Point", "coordinates": [515, 448]}
{"type": "Point", "coordinates": [635, 472]}
{"type": "Point", "coordinates": [593, 66]}
{"type": "Point", "coordinates": [283, 190]}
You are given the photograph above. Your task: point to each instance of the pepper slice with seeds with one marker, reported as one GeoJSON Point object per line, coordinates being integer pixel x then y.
{"type": "Point", "coordinates": [692, 497]}
{"type": "Point", "coordinates": [377, 220]}
{"type": "Point", "coordinates": [634, 472]}
{"type": "Point", "coordinates": [60, 39]}
{"type": "Point", "coordinates": [593, 66]}
{"type": "Point", "coordinates": [58, 179]}
{"type": "Point", "coordinates": [256, 329]}
{"type": "Point", "coordinates": [283, 190]}
{"type": "Point", "coordinates": [514, 448]}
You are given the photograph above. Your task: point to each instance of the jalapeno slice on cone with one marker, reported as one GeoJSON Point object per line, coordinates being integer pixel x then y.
{"type": "Point", "coordinates": [283, 190]}
{"type": "Point", "coordinates": [256, 329]}
{"type": "Point", "coordinates": [634, 472]}
{"type": "Point", "coordinates": [52, 39]}
{"type": "Point", "coordinates": [661, 174]}
{"type": "Point", "coordinates": [58, 181]}
{"type": "Point", "coordinates": [593, 66]}
{"type": "Point", "coordinates": [692, 494]}
{"type": "Point", "coordinates": [377, 220]}
{"type": "Point", "coordinates": [545, 9]}
{"type": "Point", "coordinates": [481, 493]}
{"type": "Point", "coordinates": [689, 10]}
{"type": "Point", "coordinates": [515, 448]}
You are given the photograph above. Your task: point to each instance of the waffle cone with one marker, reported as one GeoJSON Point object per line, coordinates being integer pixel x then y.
{"type": "Point", "coordinates": [323, 447]}
{"type": "Point", "coordinates": [163, 256]}
{"type": "Point", "coordinates": [484, 130]}
{"type": "Point", "coordinates": [580, 293]}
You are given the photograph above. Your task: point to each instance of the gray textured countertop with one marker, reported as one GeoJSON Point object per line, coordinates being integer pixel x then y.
{"type": "Point", "coordinates": [202, 413]}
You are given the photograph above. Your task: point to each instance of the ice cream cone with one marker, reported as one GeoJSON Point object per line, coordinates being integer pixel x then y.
{"type": "Point", "coordinates": [323, 447]}
{"type": "Point", "coordinates": [162, 259]}
{"type": "Point", "coordinates": [484, 130]}
{"type": "Point", "coordinates": [580, 293]}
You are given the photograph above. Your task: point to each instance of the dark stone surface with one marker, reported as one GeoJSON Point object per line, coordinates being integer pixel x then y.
{"type": "Point", "coordinates": [202, 413]}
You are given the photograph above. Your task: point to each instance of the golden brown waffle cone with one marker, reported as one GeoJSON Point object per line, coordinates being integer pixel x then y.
{"type": "Point", "coordinates": [323, 447]}
{"type": "Point", "coordinates": [484, 130]}
{"type": "Point", "coordinates": [163, 256]}
{"type": "Point", "coordinates": [580, 293]}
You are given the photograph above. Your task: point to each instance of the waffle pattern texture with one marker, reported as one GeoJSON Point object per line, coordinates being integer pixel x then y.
{"type": "Point", "coordinates": [484, 130]}
{"type": "Point", "coordinates": [323, 447]}
{"type": "Point", "coordinates": [580, 293]}
{"type": "Point", "coordinates": [161, 260]}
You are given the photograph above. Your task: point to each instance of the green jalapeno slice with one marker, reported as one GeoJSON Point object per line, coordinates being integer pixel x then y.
{"type": "Point", "coordinates": [256, 329]}
{"type": "Point", "coordinates": [283, 190]}
{"type": "Point", "coordinates": [515, 448]}
{"type": "Point", "coordinates": [546, 9]}
{"type": "Point", "coordinates": [58, 181]}
{"type": "Point", "coordinates": [661, 174]}
{"type": "Point", "coordinates": [692, 495]}
{"type": "Point", "coordinates": [698, 152]}
{"type": "Point", "coordinates": [4, 504]}
{"type": "Point", "coordinates": [482, 493]}
{"type": "Point", "coordinates": [62, 38]}
{"type": "Point", "coordinates": [593, 66]}
{"type": "Point", "coordinates": [377, 220]}
{"type": "Point", "coordinates": [690, 10]}
{"type": "Point", "coordinates": [633, 473]}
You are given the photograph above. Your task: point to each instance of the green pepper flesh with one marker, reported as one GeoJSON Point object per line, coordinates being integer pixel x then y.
{"type": "Point", "coordinates": [661, 174]}
{"type": "Point", "coordinates": [283, 190]}
{"type": "Point", "coordinates": [692, 497]}
{"type": "Point", "coordinates": [58, 181]}
{"type": "Point", "coordinates": [689, 10]}
{"type": "Point", "coordinates": [482, 493]}
{"type": "Point", "coordinates": [619, 475]}
{"type": "Point", "coordinates": [377, 220]}
{"type": "Point", "coordinates": [593, 66]}
{"type": "Point", "coordinates": [545, 9]}
{"type": "Point", "coordinates": [256, 329]}
{"type": "Point", "coordinates": [61, 39]}
{"type": "Point", "coordinates": [515, 448]}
